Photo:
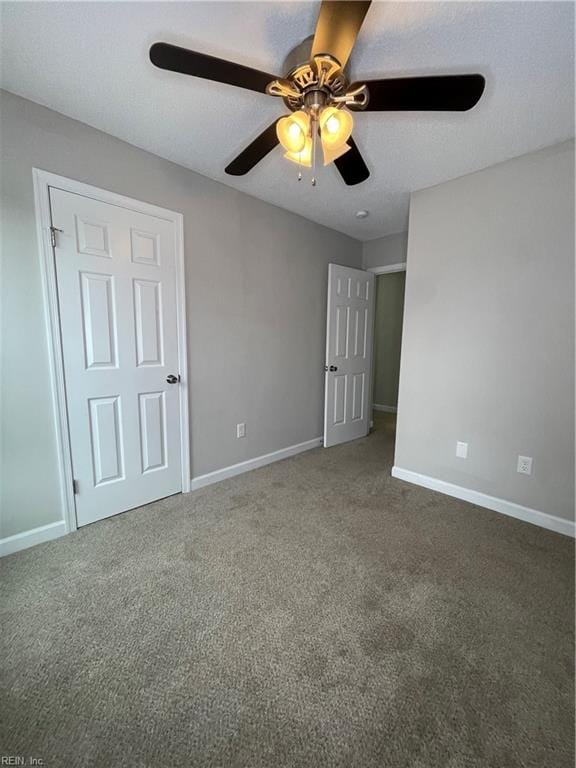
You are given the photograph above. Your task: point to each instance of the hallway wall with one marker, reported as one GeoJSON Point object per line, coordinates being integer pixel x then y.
{"type": "Point", "coordinates": [384, 251]}
{"type": "Point", "coordinates": [388, 316]}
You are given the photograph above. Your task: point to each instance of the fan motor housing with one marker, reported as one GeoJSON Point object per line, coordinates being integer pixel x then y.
{"type": "Point", "coordinates": [298, 54]}
{"type": "Point", "coordinates": [314, 82]}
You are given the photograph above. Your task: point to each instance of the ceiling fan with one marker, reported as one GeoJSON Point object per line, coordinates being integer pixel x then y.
{"type": "Point", "coordinates": [320, 97]}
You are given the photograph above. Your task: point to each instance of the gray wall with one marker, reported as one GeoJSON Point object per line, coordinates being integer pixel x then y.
{"type": "Point", "coordinates": [256, 292]}
{"type": "Point", "coordinates": [488, 338]}
{"type": "Point", "coordinates": [388, 337]}
{"type": "Point", "coordinates": [385, 251]}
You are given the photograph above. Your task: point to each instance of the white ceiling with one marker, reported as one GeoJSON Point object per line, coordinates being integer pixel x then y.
{"type": "Point", "coordinates": [90, 62]}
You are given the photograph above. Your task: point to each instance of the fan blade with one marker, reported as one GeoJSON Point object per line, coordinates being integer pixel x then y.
{"type": "Point", "coordinates": [337, 28]}
{"type": "Point", "coordinates": [351, 165]}
{"type": "Point", "coordinates": [435, 93]}
{"type": "Point", "coordinates": [254, 152]}
{"type": "Point", "coordinates": [177, 59]}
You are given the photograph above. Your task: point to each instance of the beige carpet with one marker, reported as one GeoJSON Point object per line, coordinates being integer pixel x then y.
{"type": "Point", "coordinates": [314, 613]}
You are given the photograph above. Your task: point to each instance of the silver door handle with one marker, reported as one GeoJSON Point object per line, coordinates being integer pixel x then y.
{"type": "Point", "coordinates": [171, 379]}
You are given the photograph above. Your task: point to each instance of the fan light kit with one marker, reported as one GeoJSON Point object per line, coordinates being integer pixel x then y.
{"type": "Point", "coordinates": [319, 95]}
{"type": "Point", "coordinates": [298, 135]}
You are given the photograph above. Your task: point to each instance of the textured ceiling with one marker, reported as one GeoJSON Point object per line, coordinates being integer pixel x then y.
{"type": "Point", "coordinates": [90, 62]}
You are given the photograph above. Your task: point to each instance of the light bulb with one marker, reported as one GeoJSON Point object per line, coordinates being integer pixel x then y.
{"type": "Point", "coordinates": [335, 127]}
{"type": "Point", "coordinates": [292, 131]}
{"type": "Point", "coordinates": [332, 125]}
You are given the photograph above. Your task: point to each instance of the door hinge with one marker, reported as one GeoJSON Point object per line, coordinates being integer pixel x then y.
{"type": "Point", "coordinates": [75, 487]}
{"type": "Point", "coordinates": [53, 231]}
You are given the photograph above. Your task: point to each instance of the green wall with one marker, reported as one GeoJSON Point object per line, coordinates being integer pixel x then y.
{"type": "Point", "coordinates": [388, 337]}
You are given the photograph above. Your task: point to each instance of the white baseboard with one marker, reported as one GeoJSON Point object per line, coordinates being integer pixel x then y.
{"type": "Point", "coordinates": [385, 408]}
{"type": "Point", "coordinates": [534, 516]}
{"type": "Point", "coordinates": [247, 466]}
{"type": "Point", "coordinates": [26, 539]}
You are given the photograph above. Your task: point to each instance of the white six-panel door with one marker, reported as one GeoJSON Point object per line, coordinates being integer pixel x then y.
{"type": "Point", "coordinates": [116, 276]}
{"type": "Point", "coordinates": [350, 320]}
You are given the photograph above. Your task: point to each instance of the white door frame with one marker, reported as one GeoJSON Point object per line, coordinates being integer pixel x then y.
{"type": "Point", "coordinates": [401, 267]}
{"type": "Point", "coordinates": [385, 270]}
{"type": "Point", "coordinates": [43, 180]}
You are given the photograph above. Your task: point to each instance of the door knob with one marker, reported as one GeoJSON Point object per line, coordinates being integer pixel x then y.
{"type": "Point", "coordinates": [171, 379]}
{"type": "Point", "coordinates": [331, 368]}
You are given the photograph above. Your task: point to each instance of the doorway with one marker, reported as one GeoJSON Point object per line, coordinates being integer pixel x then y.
{"type": "Point", "coordinates": [114, 278]}
{"type": "Point", "coordinates": [388, 317]}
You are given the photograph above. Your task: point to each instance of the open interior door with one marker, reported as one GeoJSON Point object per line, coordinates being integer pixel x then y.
{"type": "Point", "coordinates": [348, 385]}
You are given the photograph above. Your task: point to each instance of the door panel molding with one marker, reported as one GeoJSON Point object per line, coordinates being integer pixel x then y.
{"type": "Point", "coordinates": [97, 297]}
{"type": "Point", "coordinates": [43, 181]}
{"type": "Point", "coordinates": [107, 439]}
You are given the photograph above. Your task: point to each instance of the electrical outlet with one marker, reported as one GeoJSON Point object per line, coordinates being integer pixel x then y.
{"type": "Point", "coordinates": [524, 465]}
{"type": "Point", "coordinates": [241, 430]}
{"type": "Point", "coordinates": [462, 450]}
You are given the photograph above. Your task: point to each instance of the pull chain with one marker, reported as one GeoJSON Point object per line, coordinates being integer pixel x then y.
{"type": "Point", "coordinates": [314, 135]}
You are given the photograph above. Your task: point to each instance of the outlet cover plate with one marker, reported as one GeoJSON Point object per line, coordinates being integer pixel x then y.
{"type": "Point", "coordinates": [524, 466]}
{"type": "Point", "coordinates": [462, 450]}
{"type": "Point", "coordinates": [241, 430]}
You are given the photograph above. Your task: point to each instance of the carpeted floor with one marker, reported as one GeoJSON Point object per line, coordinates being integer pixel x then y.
{"type": "Point", "coordinates": [314, 613]}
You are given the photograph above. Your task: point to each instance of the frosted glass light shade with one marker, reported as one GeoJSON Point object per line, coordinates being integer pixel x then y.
{"type": "Point", "coordinates": [333, 154]}
{"type": "Point", "coordinates": [292, 131]}
{"type": "Point", "coordinates": [304, 157]}
{"type": "Point", "coordinates": [335, 127]}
